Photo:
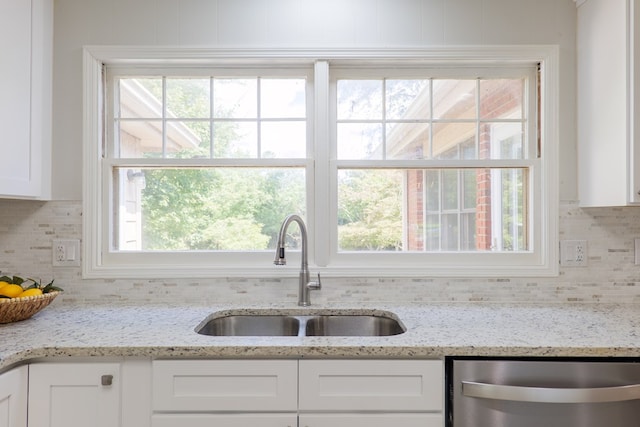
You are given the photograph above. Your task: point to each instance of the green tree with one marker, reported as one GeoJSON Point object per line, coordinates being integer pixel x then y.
{"type": "Point", "coordinates": [370, 210]}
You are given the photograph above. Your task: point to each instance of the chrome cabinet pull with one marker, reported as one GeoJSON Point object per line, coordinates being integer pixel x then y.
{"type": "Point", "coordinates": [551, 395]}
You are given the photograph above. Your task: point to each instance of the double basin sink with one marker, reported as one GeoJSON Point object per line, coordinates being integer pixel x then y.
{"type": "Point", "coordinates": [290, 324]}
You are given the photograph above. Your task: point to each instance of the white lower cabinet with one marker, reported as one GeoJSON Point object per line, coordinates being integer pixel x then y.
{"type": "Point", "coordinates": [13, 397]}
{"type": "Point", "coordinates": [305, 393]}
{"type": "Point", "coordinates": [74, 395]}
{"type": "Point", "coordinates": [225, 393]}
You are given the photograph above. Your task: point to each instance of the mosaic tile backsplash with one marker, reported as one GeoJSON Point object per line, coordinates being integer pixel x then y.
{"type": "Point", "coordinates": [28, 227]}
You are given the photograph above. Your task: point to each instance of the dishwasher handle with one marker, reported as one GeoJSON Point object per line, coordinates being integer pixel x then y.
{"type": "Point", "coordinates": [551, 395]}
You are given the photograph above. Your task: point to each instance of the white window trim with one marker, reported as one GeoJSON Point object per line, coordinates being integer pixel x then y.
{"type": "Point", "coordinates": [543, 261]}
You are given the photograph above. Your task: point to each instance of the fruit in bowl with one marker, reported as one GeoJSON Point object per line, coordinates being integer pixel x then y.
{"type": "Point", "coordinates": [17, 287]}
{"type": "Point", "coordinates": [20, 299]}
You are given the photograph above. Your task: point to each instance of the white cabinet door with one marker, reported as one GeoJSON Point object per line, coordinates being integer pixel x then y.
{"type": "Point", "coordinates": [13, 397]}
{"type": "Point", "coordinates": [26, 33]}
{"type": "Point", "coordinates": [371, 420]}
{"type": "Point", "coordinates": [225, 420]}
{"type": "Point", "coordinates": [74, 395]}
{"type": "Point", "coordinates": [608, 46]}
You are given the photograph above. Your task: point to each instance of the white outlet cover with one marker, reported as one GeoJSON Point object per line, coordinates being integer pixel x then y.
{"type": "Point", "coordinates": [573, 253]}
{"type": "Point", "coordinates": [65, 252]}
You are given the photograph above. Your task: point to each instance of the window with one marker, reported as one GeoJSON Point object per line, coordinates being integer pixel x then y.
{"type": "Point", "coordinates": [426, 165]}
{"type": "Point", "coordinates": [205, 163]}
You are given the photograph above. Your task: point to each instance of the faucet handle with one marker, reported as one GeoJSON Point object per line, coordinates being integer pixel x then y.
{"type": "Point", "coordinates": [315, 285]}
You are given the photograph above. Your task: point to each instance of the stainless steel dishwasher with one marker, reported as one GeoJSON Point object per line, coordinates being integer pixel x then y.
{"type": "Point", "coordinates": [543, 392]}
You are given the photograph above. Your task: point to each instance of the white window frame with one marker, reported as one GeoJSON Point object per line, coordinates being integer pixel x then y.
{"type": "Point", "coordinates": [542, 260]}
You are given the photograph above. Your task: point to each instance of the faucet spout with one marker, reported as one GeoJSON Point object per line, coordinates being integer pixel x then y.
{"type": "Point", "coordinates": [305, 284]}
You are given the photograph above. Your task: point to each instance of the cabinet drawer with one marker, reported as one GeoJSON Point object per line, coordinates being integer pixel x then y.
{"type": "Point", "coordinates": [225, 385]}
{"type": "Point", "coordinates": [226, 420]}
{"type": "Point", "coordinates": [371, 420]}
{"type": "Point", "coordinates": [376, 385]}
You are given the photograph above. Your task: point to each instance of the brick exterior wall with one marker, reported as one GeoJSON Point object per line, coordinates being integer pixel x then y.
{"type": "Point", "coordinates": [498, 99]}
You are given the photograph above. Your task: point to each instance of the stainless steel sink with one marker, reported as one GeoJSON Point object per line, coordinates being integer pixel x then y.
{"type": "Point", "coordinates": [319, 324]}
{"type": "Point", "coordinates": [353, 326]}
{"type": "Point", "coordinates": [251, 325]}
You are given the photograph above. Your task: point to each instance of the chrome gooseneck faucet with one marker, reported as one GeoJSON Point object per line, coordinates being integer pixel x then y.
{"type": "Point", "coordinates": [305, 285]}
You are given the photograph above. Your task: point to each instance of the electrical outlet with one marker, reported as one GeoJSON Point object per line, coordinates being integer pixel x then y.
{"type": "Point", "coordinates": [573, 253]}
{"type": "Point", "coordinates": [66, 253]}
{"type": "Point", "coordinates": [59, 252]}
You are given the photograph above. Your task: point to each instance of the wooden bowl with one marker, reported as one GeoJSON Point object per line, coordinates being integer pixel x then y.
{"type": "Point", "coordinates": [15, 309]}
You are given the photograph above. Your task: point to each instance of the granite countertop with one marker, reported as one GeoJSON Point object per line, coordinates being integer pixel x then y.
{"type": "Point", "coordinates": [433, 331]}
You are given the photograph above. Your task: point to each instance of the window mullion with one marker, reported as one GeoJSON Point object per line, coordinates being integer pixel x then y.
{"type": "Point", "coordinates": [259, 117]}
{"type": "Point", "coordinates": [212, 128]}
{"type": "Point", "coordinates": [323, 186]}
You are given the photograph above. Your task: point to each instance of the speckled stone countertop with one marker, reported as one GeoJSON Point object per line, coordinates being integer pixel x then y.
{"type": "Point", "coordinates": [433, 331]}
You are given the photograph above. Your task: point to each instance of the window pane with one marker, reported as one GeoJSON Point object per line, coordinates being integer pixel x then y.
{"type": "Point", "coordinates": [449, 138]}
{"type": "Point", "coordinates": [188, 98]}
{"type": "Point", "coordinates": [432, 210]}
{"type": "Point", "coordinates": [454, 99]}
{"type": "Point", "coordinates": [140, 98]}
{"type": "Point", "coordinates": [224, 209]}
{"type": "Point", "coordinates": [504, 140]}
{"type": "Point", "coordinates": [468, 234]}
{"type": "Point", "coordinates": [359, 141]}
{"type": "Point", "coordinates": [282, 98]}
{"type": "Point", "coordinates": [501, 98]}
{"type": "Point", "coordinates": [510, 216]}
{"type": "Point", "coordinates": [455, 131]}
{"type": "Point", "coordinates": [432, 190]}
{"type": "Point", "coordinates": [471, 179]}
{"type": "Point", "coordinates": [449, 232]}
{"type": "Point", "coordinates": [143, 139]}
{"type": "Point", "coordinates": [140, 138]}
{"type": "Point", "coordinates": [432, 234]}
{"type": "Point", "coordinates": [284, 139]}
{"type": "Point", "coordinates": [235, 98]}
{"type": "Point", "coordinates": [188, 139]}
{"type": "Point", "coordinates": [407, 140]}
{"type": "Point", "coordinates": [370, 210]}
{"type": "Point", "coordinates": [235, 139]}
{"type": "Point", "coordinates": [449, 190]}
{"type": "Point", "coordinates": [408, 100]}
{"type": "Point", "coordinates": [360, 99]}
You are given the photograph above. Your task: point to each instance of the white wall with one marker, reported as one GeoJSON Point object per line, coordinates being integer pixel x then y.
{"type": "Point", "coordinates": [298, 23]}
{"type": "Point", "coordinates": [28, 227]}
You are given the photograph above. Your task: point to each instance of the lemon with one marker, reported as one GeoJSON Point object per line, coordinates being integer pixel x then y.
{"type": "Point", "coordinates": [3, 284]}
{"type": "Point", "coordinates": [29, 292]}
{"type": "Point", "coordinates": [11, 291]}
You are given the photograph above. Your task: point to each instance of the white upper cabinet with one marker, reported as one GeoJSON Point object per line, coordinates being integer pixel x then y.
{"type": "Point", "coordinates": [26, 35]}
{"type": "Point", "coordinates": [608, 103]}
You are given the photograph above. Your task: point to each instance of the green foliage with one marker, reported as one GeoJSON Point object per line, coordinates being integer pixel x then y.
{"type": "Point", "coordinates": [215, 209]}
{"type": "Point", "coordinates": [369, 213]}
{"type": "Point", "coordinates": [17, 280]}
